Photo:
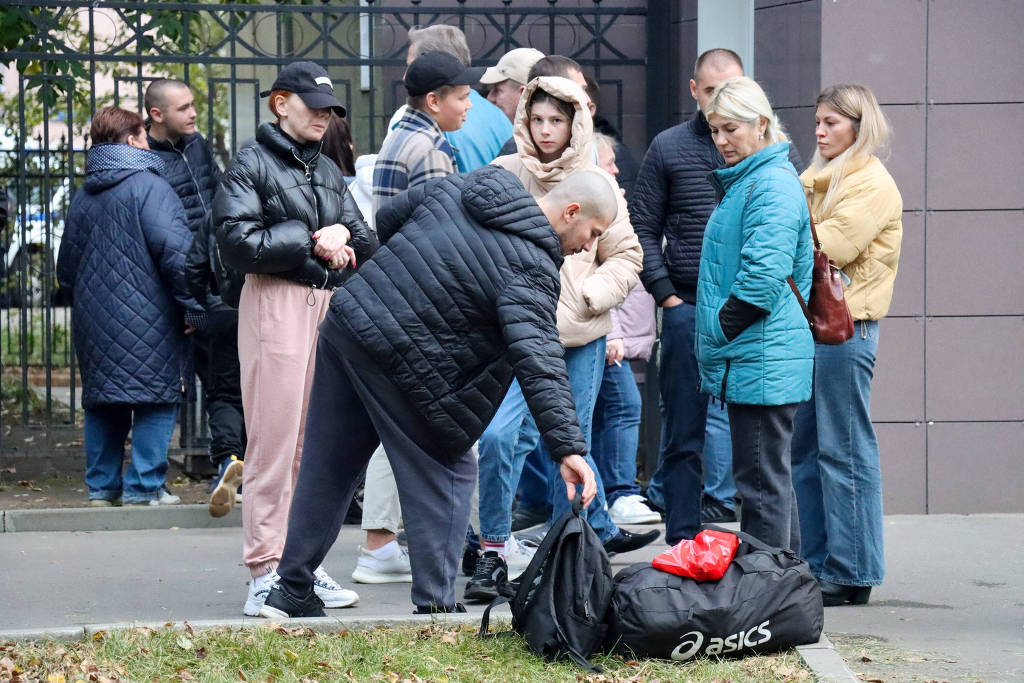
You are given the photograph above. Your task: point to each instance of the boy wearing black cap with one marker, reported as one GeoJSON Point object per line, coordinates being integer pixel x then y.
{"type": "Point", "coordinates": [416, 151]}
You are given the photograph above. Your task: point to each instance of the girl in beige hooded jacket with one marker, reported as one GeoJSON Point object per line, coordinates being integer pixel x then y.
{"type": "Point", "coordinates": [595, 281]}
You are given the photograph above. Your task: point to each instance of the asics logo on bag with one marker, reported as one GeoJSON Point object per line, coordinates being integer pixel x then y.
{"type": "Point", "coordinates": [692, 642]}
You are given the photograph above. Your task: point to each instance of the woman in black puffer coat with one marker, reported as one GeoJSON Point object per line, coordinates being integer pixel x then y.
{"type": "Point", "coordinates": [122, 260]}
{"type": "Point", "coordinates": [283, 216]}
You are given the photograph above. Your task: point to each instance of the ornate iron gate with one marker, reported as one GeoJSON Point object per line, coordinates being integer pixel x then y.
{"type": "Point", "coordinates": [74, 56]}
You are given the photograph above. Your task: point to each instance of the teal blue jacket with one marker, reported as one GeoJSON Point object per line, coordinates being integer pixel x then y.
{"type": "Point", "coordinates": [757, 237]}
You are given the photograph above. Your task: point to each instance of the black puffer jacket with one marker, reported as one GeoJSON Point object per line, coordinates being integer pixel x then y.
{"type": "Point", "coordinates": [190, 169]}
{"type": "Point", "coordinates": [673, 199]}
{"type": "Point", "coordinates": [461, 298]}
{"type": "Point", "coordinates": [269, 203]}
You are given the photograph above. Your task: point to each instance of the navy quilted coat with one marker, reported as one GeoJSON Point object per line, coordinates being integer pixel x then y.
{"type": "Point", "coordinates": [758, 236]}
{"type": "Point", "coordinates": [460, 299]}
{"type": "Point", "coordinates": [671, 202]}
{"type": "Point", "coordinates": [123, 259]}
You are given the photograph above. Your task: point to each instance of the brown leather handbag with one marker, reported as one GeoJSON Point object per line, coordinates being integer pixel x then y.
{"type": "Point", "coordinates": [826, 310]}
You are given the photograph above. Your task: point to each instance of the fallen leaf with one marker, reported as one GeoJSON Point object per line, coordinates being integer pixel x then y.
{"type": "Point", "coordinates": [201, 653]}
{"type": "Point", "coordinates": [188, 629]}
{"type": "Point", "coordinates": [184, 643]}
{"type": "Point", "coordinates": [290, 655]}
{"type": "Point", "coordinates": [241, 675]}
{"type": "Point", "coordinates": [7, 665]}
{"type": "Point", "coordinates": [99, 635]}
{"type": "Point", "coordinates": [10, 470]}
{"type": "Point", "coordinates": [185, 675]}
{"type": "Point", "coordinates": [55, 678]}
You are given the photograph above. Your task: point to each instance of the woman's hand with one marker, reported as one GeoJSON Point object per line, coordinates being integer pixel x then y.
{"type": "Point", "coordinates": [330, 240]}
{"type": "Point", "coordinates": [342, 258]}
{"type": "Point", "coordinates": [615, 351]}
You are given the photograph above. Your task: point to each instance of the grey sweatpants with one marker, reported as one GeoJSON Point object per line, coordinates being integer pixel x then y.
{"type": "Point", "coordinates": [353, 407]}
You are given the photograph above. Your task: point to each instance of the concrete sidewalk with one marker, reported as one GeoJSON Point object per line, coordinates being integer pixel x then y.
{"type": "Point", "coordinates": [952, 607]}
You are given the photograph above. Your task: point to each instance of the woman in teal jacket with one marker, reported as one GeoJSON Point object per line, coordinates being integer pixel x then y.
{"type": "Point", "coordinates": [754, 347]}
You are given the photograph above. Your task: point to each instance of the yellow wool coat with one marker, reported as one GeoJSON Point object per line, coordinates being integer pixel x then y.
{"type": "Point", "coordinates": [595, 281]}
{"type": "Point", "coordinates": [861, 231]}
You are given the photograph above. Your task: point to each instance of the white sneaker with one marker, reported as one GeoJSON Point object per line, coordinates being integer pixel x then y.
{"type": "Point", "coordinates": [518, 557]}
{"type": "Point", "coordinates": [331, 592]}
{"type": "Point", "coordinates": [632, 510]}
{"type": "Point", "coordinates": [165, 498]}
{"type": "Point", "coordinates": [259, 588]}
{"type": "Point", "coordinates": [393, 569]}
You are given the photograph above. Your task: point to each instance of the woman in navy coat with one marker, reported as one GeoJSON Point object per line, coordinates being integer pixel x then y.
{"type": "Point", "coordinates": [122, 259]}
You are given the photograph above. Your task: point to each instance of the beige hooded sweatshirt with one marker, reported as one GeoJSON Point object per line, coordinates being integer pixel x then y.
{"type": "Point", "coordinates": [595, 281]}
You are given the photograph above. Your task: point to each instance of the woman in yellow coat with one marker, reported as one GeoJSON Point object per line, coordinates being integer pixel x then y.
{"type": "Point", "coordinates": [836, 472]}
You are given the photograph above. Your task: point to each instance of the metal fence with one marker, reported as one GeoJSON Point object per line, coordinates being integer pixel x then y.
{"type": "Point", "coordinates": [74, 56]}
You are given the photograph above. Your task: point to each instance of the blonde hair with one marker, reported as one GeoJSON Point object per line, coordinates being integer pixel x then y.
{"type": "Point", "coordinates": [870, 127]}
{"type": "Point", "coordinates": [742, 99]}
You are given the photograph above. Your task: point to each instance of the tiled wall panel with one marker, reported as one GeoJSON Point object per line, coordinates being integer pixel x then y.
{"type": "Point", "coordinates": [976, 156]}
{"type": "Point", "coordinates": [879, 43]}
{"type": "Point", "coordinates": [897, 391]}
{"type": "Point", "coordinates": [787, 52]}
{"type": "Point", "coordinates": [974, 263]}
{"type": "Point", "coordinates": [908, 292]}
{"type": "Point", "coordinates": [975, 467]}
{"type": "Point", "coordinates": [975, 51]}
{"type": "Point", "coordinates": [975, 369]}
{"type": "Point", "coordinates": [901, 450]}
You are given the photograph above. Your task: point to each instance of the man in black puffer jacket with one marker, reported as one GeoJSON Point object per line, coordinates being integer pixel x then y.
{"type": "Point", "coordinates": [417, 352]}
{"type": "Point", "coordinates": [191, 170]}
{"type": "Point", "coordinates": [672, 200]}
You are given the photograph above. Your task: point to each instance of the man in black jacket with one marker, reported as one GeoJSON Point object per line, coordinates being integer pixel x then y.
{"type": "Point", "coordinates": [190, 169]}
{"type": "Point", "coordinates": [417, 352]}
{"type": "Point", "coordinates": [671, 202]}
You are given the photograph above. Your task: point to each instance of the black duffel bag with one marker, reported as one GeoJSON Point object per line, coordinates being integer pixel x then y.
{"type": "Point", "coordinates": [767, 601]}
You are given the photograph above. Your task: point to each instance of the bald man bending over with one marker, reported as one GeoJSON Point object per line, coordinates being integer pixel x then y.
{"type": "Point", "coordinates": [418, 350]}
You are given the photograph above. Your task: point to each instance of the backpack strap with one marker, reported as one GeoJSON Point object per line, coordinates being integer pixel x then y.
{"type": "Point", "coordinates": [745, 537]}
{"type": "Point", "coordinates": [485, 620]}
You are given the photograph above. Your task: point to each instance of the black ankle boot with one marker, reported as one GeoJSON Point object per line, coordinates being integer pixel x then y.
{"type": "Point", "coordinates": [834, 594]}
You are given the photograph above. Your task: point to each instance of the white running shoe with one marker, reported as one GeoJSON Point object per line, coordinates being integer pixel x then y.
{"type": "Point", "coordinates": [259, 588]}
{"type": "Point", "coordinates": [165, 498]}
{"type": "Point", "coordinates": [518, 557]}
{"type": "Point", "coordinates": [393, 569]}
{"type": "Point", "coordinates": [331, 592]}
{"type": "Point", "coordinates": [632, 510]}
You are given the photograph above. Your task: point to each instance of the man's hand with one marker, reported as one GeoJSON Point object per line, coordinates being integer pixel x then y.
{"type": "Point", "coordinates": [615, 351]}
{"type": "Point", "coordinates": [575, 470]}
{"type": "Point", "coordinates": [330, 240]}
{"type": "Point", "coordinates": [670, 301]}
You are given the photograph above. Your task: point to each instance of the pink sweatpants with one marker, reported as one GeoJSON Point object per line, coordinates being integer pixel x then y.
{"type": "Point", "coordinates": [277, 335]}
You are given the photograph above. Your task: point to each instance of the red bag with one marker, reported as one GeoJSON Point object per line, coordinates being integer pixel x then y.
{"type": "Point", "coordinates": [705, 558]}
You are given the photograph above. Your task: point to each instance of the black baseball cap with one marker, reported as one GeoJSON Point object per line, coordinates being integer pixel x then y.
{"type": "Point", "coordinates": [310, 82]}
{"type": "Point", "coordinates": [432, 70]}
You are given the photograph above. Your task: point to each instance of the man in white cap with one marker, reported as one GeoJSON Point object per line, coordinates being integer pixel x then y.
{"type": "Point", "coordinates": [508, 78]}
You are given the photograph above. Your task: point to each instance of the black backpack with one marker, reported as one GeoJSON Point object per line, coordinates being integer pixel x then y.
{"type": "Point", "coordinates": [767, 601]}
{"type": "Point", "coordinates": [560, 603]}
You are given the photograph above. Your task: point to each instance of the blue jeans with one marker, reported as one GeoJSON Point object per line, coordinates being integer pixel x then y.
{"type": "Point", "coordinates": [836, 471]}
{"type": "Point", "coordinates": [106, 429]}
{"type": "Point", "coordinates": [718, 482]}
{"type": "Point", "coordinates": [617, 431]}
{"type": "Point", "coordinates": [512, 434]}
{"type": "Point", "coordinates": [532, 493]}
{"type": "Point", "coordinates": [677, 483]}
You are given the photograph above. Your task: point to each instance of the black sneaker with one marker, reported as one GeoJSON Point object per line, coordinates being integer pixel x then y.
{"type": "Point", "coordinates": [625, 541]}
{"type": "Point", "coordinates": [283, 605]}
{"type": "Point", "coordinates": [457, 608]}
{"type": "Point", "coordinates": [490, 572]}
{"type": "Point", "coordinates": [714, 511]}
{"type": "Point", "coordinates": [470, 556]}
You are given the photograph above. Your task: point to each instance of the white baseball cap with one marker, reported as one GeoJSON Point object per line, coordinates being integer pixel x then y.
{"type": "Point", "coordinates": [514, 65]}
